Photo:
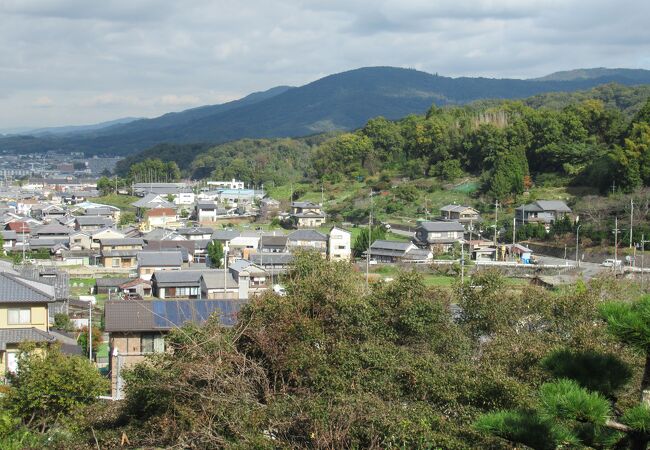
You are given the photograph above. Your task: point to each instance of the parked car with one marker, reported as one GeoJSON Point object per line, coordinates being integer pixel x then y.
{"type": "Point", "coordinates": [612, 263]}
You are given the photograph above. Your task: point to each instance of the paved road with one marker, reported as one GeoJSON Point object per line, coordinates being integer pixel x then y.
{"type": "Point", "coordinates": [588, 269]}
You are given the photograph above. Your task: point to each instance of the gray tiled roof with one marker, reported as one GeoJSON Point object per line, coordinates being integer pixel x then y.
{"type": "Point", "coordinates": [158, 234]}
{"type": "Point", "coordinates": [457, 208]}
{"type": "Point", "coordinates": [225, 235]}
{"type": "Point", "coordinates": [307, 235]}
{"type": "Point", "coordinates": [273, 241]}
{"type": "Point", "coordinates": [195, 230]}
{"type": "Point", "coordinates": [15, 289]}
{"type": "Point", "coordinates": [121, 241]}
{"type": "Point", "coordinates": [19, 335]}
{"type": "Point", "coordinates": [94, 220]}
{"type": "Point", "coordinates": [160, 259]}
{"type": "Point", "coordinates": [214, 279]}
{"type": "Point", "coordinates": [390, 245]}
{"type": "Point", "coordinates": [111, 281]}
{"type": "Point", "coordinates": [177, 277]}
{"type": "Point", "coordinates": [442, 226]}
{"type": "Point", "coordinates": [53, 228]}
{"type": "Point", "coordinates": [271, 258]}
{"type": "Point", "coordinates": [553, 205]}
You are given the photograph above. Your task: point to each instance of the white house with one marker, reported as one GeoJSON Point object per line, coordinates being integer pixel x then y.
{"type": "Point", "coordinates": [339, 246]}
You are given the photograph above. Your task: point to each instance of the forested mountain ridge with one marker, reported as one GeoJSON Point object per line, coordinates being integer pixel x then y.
{"type": "Point", "coordinates": [593, 138]}
{"type": "Point", "coordinates": [341, 101]}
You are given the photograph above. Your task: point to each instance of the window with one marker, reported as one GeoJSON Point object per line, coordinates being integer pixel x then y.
{"type": "Point", "coordinates": [341, 247]}
{"type": "Point", "coordinates": [19, 316]}
{"type": "Point", "coordinates": [116, 262]}
{"type": "Point", "coordinates": [152, 343]}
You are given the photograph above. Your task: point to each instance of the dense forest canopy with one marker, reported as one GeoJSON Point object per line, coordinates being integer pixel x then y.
{"type": "Point", "coordinates": [597, 138]}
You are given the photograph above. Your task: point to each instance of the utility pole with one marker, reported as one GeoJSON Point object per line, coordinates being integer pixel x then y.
{"type": "Point", "coordinates": [225, 271]}
{"type": "Point", "coordinates": [615, 242]}
{"type": "Point", "coordinates": [577, 244]}
{"type": "Point", "coordinates": [496, 215]}
{"type": "Point", "coordinates": [462, 262]}
{"type": "Point", "coordinates": [369, 243]}
{"type": "Point", "coordinates": [90, 331]}
{"type": "Point", "coordinates": [643, 242]}
{"type": "Point", "coordinates": [631, 220]}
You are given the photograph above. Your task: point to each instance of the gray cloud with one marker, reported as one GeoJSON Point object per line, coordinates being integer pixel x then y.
{"type": "Point", "coordinates": [79, 61]}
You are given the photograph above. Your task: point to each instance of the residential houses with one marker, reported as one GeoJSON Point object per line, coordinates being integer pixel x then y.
{"type": "Point", "coordinates": [544, 212]}
{"type": "Point", "coordinates": [138, 328]}
{"type": "Point", "coordinates": [439, 236]}
{"type": "Point", "coordinates": [383, 251]}
{"type": "Point", "coordinates": [466, 215]}
{"type": "Point", "coordinates": [150, 262]}
{"type": "Point", "coordinates": [23, 316]}
{"type": "Point", "coordinates": [307, 214]}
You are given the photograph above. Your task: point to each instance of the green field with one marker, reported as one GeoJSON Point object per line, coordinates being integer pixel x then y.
{"type": "Point", "coordinates": [120, 201]}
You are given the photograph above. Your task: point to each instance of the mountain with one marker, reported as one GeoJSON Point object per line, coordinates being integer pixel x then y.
{"type": "Point", "coordinates": [337, 102]}
{"type": "Point", "coordinates": [614, 75]}
{"type": "Point", "coordinates": [74, 129]}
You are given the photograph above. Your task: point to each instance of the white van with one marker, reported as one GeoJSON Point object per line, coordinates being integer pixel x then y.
{"type": "Point", "coordinates": [612, 263]}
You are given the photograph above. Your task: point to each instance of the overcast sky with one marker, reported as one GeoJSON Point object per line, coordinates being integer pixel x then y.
{"type": "Point", "coordinates": [67, 62]}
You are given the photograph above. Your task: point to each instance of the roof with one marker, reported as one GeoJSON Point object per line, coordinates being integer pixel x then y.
{"type": "Point", "coordinates": [160, 212]}
{"type": "Point", "coordinates": [183, 246]}
{"type": "Point", "coordinates": [271, 258]}
{"type": "Point", "coordinates": [545, 205]}
{"type": "Point", "coordinates": [134, 282]}
{"type": "Point", "coordinates": [195, 230]}
{"type": "Point", "coordinates": [307, 235]}
{"type": "Point", "coordinates": [224, 235]}
{"type": "Point", "coordinates": [305, 205]}
{"type": "Point", "coordinates": [163, 315]}
{"type": "Point", "coordinates": [165, 278]}
{"type": "Point", "coordinates": [456, 208]}
{"type": "Point", "coordinates": [131, 252]}
{"type": "Point", "coordinates": [111, 281]}
{"type": "Point", "coordinates": [158, 234]}
{"type": "Point", "coordinates": [390, 245]}
{"type": "Point", "coordinates": [214, 279]}
{"type": "Point", "coordinates": [274, 241]}
{"type": "Point", "coordinates": [18, 335]}
{"type": "Point", "coordinates": [441, 226]}
{"type": "Point", "coordinates": [152, 201]}
{"type": "Point", "coordinates": [94, 220]}
{"type": "Point", "coordinates": [16, 289]}
{"type": "Point", "coordinates": [160, 259]}
{"type": "Point", "coordinates": [53, 228]}
{"type": "Point", "coordinates": [121, 241]}
{"type": "Point", "coordinates": [9, 235]}
{"type": "Point", "coordinates": [553, 205]}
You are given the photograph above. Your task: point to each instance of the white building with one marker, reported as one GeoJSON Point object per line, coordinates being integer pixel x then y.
{"type": "Point", "coordinates": [233, 184]}
{"type": "Point", "coordinates": [339, 246]}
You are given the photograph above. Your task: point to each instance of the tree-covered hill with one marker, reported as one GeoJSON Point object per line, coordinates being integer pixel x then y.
{"type": "Point", "coordinates": [341, 101]}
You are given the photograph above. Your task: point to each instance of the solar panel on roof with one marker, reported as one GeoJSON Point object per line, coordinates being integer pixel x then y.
{"type": "Point", "coordinates": [202, 313]}
{"type": "Point", "coordinates": [160, 315]}
{"type": "Point", "coordinates": [184, 312]}
{"type": "Point", "coordinates": [171, 313]}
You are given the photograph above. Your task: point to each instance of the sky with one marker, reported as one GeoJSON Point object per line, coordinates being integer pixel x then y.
{"type": "Point", "coordinates": [73, 62]}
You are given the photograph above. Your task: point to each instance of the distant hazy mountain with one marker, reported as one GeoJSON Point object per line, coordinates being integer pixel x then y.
{"type": "Point", "coordinates": [337, 102]}
{"type": "Point", "coordinates": [634, 75]}
{"type": "Point", "coordinates": [74, 129]}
